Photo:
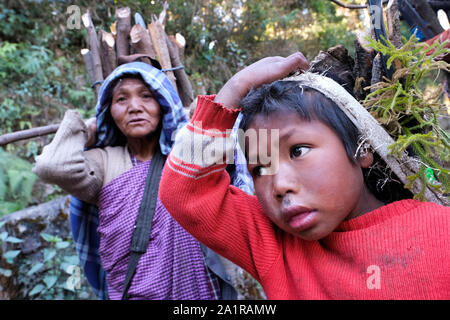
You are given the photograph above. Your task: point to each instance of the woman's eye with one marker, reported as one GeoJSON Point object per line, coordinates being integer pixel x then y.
{"type": "Point", "coordinates": [120, 99]}
{"type": "Point", "coordinates": [299, 151]}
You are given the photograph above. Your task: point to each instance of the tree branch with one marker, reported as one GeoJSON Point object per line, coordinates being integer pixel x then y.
{"type": "Point", "coordinates": [28, 134]}
{"type": "Point", "coordinates": [353, 6]}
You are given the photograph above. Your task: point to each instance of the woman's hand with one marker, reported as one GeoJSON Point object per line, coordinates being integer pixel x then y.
{"type": "Point", "coordinates": [91, 125]}
{"type": "Point", "coordinates": [261, 72]}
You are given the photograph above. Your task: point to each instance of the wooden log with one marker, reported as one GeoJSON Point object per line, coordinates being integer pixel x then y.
{"type": "Point", "coordinates": [377, 71]}
{"type": "Point", "coordinates": [393, 22]}
{"type": "Point", "coordinates": [108, 49]}
{"type": "Point", "coordinates": [179, 42]}
{"type": "Point", "coordinates": [88, 61]}
{"type": "Point", "coordinates": [142, 43]}
{"type": "Point", "coordinates": [123, 16]}
{"type": "Point", "coordinates": [183, 85]}
{"type": "Point", "coordinates": [27, 134]}
{"type": "Point", "coordinates": [158, 37]}
{"type": "Point", "coordinates": [163, 14]}
{"type": "Point", "coordinates": [363, 67]}
{"type": "Point", "coordinates": [336, 64]}
{"type": "Point", "coordinates": [94, 51]}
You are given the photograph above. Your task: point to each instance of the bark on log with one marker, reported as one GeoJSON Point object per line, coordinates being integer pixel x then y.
{"type": "Point", "coordinates": [336, 64]}
{"type": "Point", "coordinates": [393, 21]}
{"type": "Point", "coordinates": [123, 31]}
{"type": "Point", "coordinates": [377, 71]}
{"type": "Point", "coordinates": [179, 42]}
{"type": "Point", "coordinates": [158, 37]}
{"type": "Point", "coordinates": [142, 43]}
{"type": "Point", "coordinates": [27, 134]}
{"type": "Point", "coordinates": [363, 67]}
{"type": "Point", "coordinates": [163, 14]}
{"type": "Point", "coordinates": [88, 61]}
{"type": "Point", "coordinates": [94, 50]}
{"type": "Point", "coordinates": [108, 49]}
{"type": "Point", "coordinates": [183, 85]}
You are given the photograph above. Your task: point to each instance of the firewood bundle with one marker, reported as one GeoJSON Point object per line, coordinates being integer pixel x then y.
{"type": "Point", "coordinates": [126, 43]}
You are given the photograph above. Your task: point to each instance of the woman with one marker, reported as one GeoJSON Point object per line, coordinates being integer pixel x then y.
{"type": "Point", "coordinates": [138, 110]}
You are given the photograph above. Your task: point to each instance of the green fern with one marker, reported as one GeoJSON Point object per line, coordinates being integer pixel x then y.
{"type": "Point", "coordinates": [408, 115]}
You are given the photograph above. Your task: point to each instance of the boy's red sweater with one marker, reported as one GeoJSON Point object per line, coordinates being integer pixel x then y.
{"type": "Point", "coordinates": [399, 251]}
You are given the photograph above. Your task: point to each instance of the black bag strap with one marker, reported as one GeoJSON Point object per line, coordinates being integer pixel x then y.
{"type": "Point", "coordinates": [142, 229]}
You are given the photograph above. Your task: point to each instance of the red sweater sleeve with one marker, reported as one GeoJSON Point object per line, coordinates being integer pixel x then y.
{"type": "Point", "coordinates": [196, 190]}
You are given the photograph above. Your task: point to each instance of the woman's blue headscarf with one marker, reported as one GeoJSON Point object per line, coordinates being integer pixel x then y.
{"type": "Point", "coordinates": [83, 216]}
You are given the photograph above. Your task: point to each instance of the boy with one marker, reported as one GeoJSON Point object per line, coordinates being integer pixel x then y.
{"type": "Point", "coordinates": [315, 229]}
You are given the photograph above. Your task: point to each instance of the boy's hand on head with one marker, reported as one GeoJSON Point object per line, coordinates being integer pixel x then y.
{"type": "Point", "coordinates": [261, 72]}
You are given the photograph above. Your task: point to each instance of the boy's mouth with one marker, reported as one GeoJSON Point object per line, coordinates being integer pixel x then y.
{"type": "Point", "coordinates": [298, 217]}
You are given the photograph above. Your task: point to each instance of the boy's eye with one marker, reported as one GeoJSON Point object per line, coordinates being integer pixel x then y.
{"type": "Point", "coordinates": [257, 171]}
{"type": "Point", "coordinates": [298, 151]}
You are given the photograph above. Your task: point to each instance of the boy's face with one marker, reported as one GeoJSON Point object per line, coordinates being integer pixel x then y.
{"type": "Point", "coordinates": [134, 109]}
{"type": "Point", "coordinates": [314, 186]}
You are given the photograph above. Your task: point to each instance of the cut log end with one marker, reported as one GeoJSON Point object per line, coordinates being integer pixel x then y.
{"type": "Point", "coordinates": [124, 12]}
{"type": "Point", "coordinates": [135, 33]}
{"type": "Point", "coordinates": [86, 18]}
{"type": "Point", "coordinates": [108, 38]}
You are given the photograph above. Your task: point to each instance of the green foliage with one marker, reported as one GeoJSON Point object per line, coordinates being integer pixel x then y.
{"type": "Point", "coordinates": [16, 183]}
{"type": "Point", "coordinates": [54, 275]}
{"type": "Point", "coordinates": [8, 256]}
{"type": "Point", "coordinates": [410, 114]}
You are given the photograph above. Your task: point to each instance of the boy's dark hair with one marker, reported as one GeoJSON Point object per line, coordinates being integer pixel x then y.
{"type": "Point", "coordinates": [311, 104]}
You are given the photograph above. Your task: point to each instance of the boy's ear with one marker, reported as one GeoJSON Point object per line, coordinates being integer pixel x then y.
{"type": "Point", "coordinates": [366, 159]}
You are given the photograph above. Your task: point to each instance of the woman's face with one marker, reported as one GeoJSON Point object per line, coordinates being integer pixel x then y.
{"type": "Point", "coordinates": [134, 109]}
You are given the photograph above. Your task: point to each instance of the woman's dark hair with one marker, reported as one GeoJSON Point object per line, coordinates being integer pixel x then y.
{"type": "Point", "coordinates": [311, 104]}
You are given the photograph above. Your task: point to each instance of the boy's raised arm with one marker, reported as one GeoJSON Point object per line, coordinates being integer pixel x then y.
{"type": "Point", "coordinates": [195, 187]}
{"type": "Point", "coordinates": [261, 72]}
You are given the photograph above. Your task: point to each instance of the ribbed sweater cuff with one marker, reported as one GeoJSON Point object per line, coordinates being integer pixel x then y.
{"type": "Point", "coordinates": [214, 115]}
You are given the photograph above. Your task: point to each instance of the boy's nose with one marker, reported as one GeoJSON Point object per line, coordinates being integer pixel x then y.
{"type": "Point", "coordinates": [284, 182]}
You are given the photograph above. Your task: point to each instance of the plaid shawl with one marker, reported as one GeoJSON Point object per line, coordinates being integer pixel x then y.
{"type": "Point", "coordinates": [83, 216]}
